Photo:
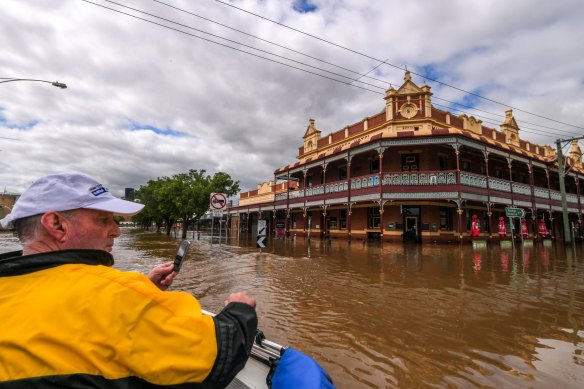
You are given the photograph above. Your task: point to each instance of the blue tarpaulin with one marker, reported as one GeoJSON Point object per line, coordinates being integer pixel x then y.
{"type": "Point", "coordinates": [296, 370]}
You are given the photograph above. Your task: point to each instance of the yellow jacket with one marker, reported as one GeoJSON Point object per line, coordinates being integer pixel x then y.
{"type": "Point", "coordinates": [68, 319]}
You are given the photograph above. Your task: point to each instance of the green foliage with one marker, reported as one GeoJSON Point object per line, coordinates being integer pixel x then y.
{"type": "Point", "coordinates": [183, 197]}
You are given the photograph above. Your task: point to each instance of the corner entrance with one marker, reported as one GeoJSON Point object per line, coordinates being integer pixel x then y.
{"type": "Point", "coordinates": [411, 222]}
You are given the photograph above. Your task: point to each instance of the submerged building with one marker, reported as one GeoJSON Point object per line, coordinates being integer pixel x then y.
{"type": "Point", "coordinates": [414, 172]}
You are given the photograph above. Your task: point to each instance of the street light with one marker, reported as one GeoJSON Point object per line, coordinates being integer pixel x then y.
{"type": "Point", "coordinates": [56, 83]}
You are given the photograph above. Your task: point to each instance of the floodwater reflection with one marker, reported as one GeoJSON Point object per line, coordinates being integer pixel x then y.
{"type": "Point", "coordinates": [394, 315]}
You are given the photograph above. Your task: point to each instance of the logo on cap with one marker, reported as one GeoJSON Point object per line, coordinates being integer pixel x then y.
{"type": "Point", "coordinates": [98, 190]}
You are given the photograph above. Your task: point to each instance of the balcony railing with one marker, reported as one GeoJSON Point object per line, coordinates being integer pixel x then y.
{"type": "Point", "coordinates": [475, 180]}
{"type": "Point", "coordinates": [419, 178]}
{"type": "Point", "coordinates": [333, 187]}
{"type": "Point", "coordinates": [365, 182]}
{"type": "Point", "coordinates": [425, 178]}
{"type": "Point", "coordinates": [541, 193]}
{"type": "Point", "coordinates": [521, 189]}
{"type": "Point", "coordinates": [498, 184]}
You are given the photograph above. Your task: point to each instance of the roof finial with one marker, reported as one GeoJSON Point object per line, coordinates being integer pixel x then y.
{"type": "Point", "coordinates": [407, 76]}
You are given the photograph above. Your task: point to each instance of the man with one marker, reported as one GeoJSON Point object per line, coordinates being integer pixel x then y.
{"type": "Point", "coordinates": [70, 320]}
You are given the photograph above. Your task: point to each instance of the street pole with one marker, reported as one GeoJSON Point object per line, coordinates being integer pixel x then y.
{"type": "Point", "coordinates": [55, 83]}
{"type": "Point", "coordinates": [567, 233]}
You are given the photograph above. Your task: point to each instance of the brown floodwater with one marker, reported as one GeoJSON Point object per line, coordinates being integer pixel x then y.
{"type": "Point", "coordinates": [393, 315]}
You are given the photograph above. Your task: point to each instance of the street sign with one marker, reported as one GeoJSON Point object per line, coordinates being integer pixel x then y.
{"type": "Point", "coordinates": [216, 213]}
{"type": "Point", "coordinates": [261, 234]}
{"type": "Point", "coordinates": [218, 201]}
{"type": "Point", "coordinates": [514, 212]}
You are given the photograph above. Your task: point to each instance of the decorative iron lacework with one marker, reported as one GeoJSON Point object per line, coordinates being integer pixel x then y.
{"type": "Point", "coordinates": [439, 178]}
{"type": "Point", "coordinates": [421, 195]}
{"type": "Point", "coordinates": [521, 189]}
{"type": "Point", "coordinates": [542, 193]}
{"type": "Point", "coordinates": [293, 194]}
{"type": "Point", "coordinates": [365, 182]}
{"type": "Point", "coordinates": [405, 142]}
{"type": "Point", "coordinates": [336, 187]}
{"type": "Point", "coordinates": [314, 191]}
{"type": "Point", "coordinates": [556, 195]}
{"type": "Point", "coordinates": [572, 198]}
{"type": "Point", "coordinates": [473, 180]}
{"type": "Point", "coordinates": [496, 184]}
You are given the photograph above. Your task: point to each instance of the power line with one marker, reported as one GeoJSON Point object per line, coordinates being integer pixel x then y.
{"type": "Point", "coordinates": [243, 44]}
{"type": "Point", "coordinates": [268, 41]}
{"type": "Point", "coordinates": [230, 47]}
{"type": "Point", "coordinates": [398, 67]}
{"type": "Point", "coordinates": [489, 121]}
{"type": "Point", "coordinates": [498, 115]}
{"type": "Point", "coordinates": [542, 132]}
{"type": "Point", "coordinates": [318, 59]}
{"type": "Point", "coordinates": [365, 75]}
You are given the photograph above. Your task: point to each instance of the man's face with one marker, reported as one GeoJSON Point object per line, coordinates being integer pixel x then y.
{"type": "Point", "coordinates": [91, 229]}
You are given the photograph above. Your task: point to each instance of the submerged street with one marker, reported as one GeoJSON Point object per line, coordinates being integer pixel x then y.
{"type": "Point", "coordinates": [394, 315]}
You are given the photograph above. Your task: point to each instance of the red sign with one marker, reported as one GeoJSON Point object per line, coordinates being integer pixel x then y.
{"type": "Point", "coordinates": [218, 201]}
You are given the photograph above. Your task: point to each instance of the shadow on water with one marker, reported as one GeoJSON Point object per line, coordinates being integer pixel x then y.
{"type": "Point", "coordinates": [393, 315]}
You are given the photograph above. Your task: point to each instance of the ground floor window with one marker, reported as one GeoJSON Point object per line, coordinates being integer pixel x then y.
{"type": "Point", "coordinates": [446, 218]}
{"type": "Point", "coordinates": [332, 223]}
{"type": "Point", "coordinates": [374, 218]}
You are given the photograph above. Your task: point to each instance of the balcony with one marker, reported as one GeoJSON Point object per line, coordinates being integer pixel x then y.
{"type": "Point", "coordinates": [425, 181]}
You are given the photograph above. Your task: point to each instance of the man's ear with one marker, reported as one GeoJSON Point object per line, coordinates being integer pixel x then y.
{"type": "Point", "coordinates": [55, 225]}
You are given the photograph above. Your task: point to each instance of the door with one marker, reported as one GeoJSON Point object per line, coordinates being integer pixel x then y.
{"type": "Point", "coordinates": [411, 229]}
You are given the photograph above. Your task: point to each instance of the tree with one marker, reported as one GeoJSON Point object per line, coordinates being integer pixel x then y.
{"type": "Point", "coordinates": [195, 191]}
{"type": "Point", "coordinates": [184, 196]}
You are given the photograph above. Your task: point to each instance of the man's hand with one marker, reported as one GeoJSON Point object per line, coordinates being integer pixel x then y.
{"type": "Point", "coordinates": [241, 297]}
{"type": "Point", "coordinates": [162, 275]}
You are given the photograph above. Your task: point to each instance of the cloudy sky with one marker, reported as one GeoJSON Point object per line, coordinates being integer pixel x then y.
{"type": "Point", "coordinates": [149, 99]}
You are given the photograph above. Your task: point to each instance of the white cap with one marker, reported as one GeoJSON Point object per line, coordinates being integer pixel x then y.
{"type": "Point", "coordinates": [64, 192]}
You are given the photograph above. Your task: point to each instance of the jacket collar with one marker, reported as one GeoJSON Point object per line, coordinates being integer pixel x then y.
{"type": "Point", "coordinates": [14, 263]}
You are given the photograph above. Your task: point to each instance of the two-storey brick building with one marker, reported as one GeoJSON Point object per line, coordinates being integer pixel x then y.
{"type": "Point", "coordinates": [414, 172]}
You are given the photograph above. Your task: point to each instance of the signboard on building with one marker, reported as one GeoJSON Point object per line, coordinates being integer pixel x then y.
{"type": "Point", "coordinates": [218, 201]}
{"type": "Point", "coordinates": [514, 212]}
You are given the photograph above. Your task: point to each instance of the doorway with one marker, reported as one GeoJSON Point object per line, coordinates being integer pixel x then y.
{"type": "Point", "coordinates": [411, 223]}
{"type": "Point", "coordinates": [410, 231]}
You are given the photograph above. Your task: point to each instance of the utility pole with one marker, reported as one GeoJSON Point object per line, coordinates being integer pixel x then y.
{"type": "Point", "coordinates": [567, 231]}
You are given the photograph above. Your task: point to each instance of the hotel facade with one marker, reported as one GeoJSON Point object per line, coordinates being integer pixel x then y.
{"type": "Point", "coordinates": [413, 172]}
